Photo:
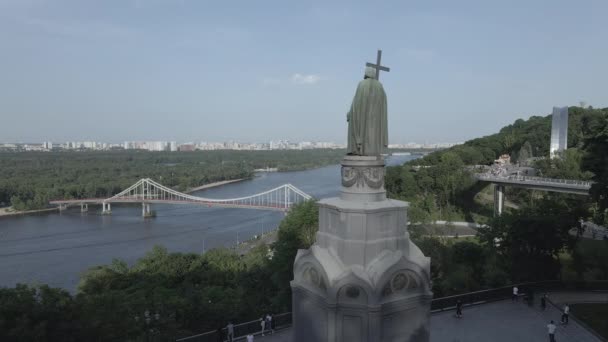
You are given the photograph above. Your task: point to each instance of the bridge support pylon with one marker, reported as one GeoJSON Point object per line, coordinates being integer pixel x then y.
{"type": "Point", "coordinates": [145, 210]}
{"type": "Point", "coordinates": [106, 209]}
{"type": "Point", "coordinates": [499, 199]}
{"type": "Point", "coordinates": [84, 207]}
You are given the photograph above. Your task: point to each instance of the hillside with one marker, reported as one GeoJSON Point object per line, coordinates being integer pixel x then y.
{"type": "Point", "coordinates": [443, 189]}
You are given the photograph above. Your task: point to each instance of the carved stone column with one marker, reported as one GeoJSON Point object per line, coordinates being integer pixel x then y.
{"type": "Point", "coordinates": [363, 178]}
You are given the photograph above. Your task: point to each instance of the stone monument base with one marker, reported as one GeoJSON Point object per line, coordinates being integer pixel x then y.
{"type": "Point", "coordinates": [363, 279]}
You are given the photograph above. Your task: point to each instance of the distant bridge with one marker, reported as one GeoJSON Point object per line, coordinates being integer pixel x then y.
{"type": "Point", "coordinates": [147, 191]}
{"type": "Point", "coordinates": [570, 186]}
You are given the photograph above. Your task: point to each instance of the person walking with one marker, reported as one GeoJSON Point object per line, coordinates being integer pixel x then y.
{"type": "Point", "coordinates": [220, 333]}
{"type": "Point", "coordinates": [263, 325]}
{"type": "Point", "coordinates": [543, 302]}
{"type": "Point", "coordinates": [565, 314]}
{"type": "Point", "coordinates": [459, 309]}
{"type": "Point", "coordinates": [230, 328]}
{"type": "Point", "coordinates": [551, 330]}
{"type": "Point", "coordinates": [515, 295]}
{"type": "Point", "coordinates": [269, 323]}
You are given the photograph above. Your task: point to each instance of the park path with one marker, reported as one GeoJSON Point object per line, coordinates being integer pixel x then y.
{"type": "Point", "coordinates": [502, 321]}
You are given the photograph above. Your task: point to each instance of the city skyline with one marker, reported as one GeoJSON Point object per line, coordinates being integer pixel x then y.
{"type": "Point", "coordinates": [173, 146]}
{"type": "Point", "coordinates": [42, 140]}
{"type": "Point", "coordinates": [162, 69]}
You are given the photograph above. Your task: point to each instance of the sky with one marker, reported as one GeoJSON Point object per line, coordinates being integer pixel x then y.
{"type": "Point", "coordinates": [117, 70]}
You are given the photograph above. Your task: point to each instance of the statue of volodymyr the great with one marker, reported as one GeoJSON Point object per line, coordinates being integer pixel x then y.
{"type": "Point", "coordinates": [367, 118]}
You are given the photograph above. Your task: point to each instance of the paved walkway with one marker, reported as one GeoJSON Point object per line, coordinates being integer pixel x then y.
{"type": "Point", "coordinates": [505, 321]}
{"type": "Point", "coordinates": [502, 321]}
{"type": "Point", "coordinates": [591, 231]}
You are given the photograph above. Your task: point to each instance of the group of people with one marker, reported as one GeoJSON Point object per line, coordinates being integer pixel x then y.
{"type": "Point", "coordinates": [266, 324]}
{"type": "Point", "coordinates": [591, 230]}
{"type": "Point", "coordinates": [551, 327]}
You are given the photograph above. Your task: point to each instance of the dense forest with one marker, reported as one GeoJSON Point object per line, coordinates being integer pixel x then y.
{"type": "Point", "coordinates": [439, 186]}
{"type": "Point", "coordinates": [28, 180]}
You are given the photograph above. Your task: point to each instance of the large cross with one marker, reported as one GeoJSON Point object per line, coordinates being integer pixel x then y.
{"type": "Point", "coordinates": [377, 66]}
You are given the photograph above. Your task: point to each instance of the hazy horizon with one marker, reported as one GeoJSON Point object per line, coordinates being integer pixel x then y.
{"type": "Point", "coordinates": [251, 72]}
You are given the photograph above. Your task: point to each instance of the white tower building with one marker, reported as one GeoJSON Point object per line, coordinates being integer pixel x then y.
{"type": "Point", "coordinates": [559, 131]}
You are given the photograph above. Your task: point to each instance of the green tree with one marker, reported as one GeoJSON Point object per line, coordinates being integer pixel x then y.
{"type": "Point", "coordinates": [525, 152]}
{"type": "Point", "coordinates": [37, 314]}
{"type": "Point", "coordinates": [531, 239]}
{"type": "Point", "coordinates": [291, 237]}
{"type": "Point", "coordinates": [595, 161]}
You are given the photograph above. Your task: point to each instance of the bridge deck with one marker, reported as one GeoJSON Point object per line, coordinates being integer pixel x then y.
{"type": "Point", "coordinates": [547, 184]}
{"type": "Point", "coordinates": [277, 206]}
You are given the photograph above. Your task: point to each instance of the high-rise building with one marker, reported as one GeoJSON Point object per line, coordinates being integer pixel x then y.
{"type": "Point", "coordinates": [559, 131]}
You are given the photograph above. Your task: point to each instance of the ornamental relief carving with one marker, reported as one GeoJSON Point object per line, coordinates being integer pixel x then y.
{"type": "Point", "coordinates": [312, 276]}
{"type": "Point", "coordinates": [373, 177]}
{"type": "Point", "coordinates": [403, 281]}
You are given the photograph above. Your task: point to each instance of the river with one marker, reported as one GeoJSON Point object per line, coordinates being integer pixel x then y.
{"type": "Point", "coordinates": [55, 248]}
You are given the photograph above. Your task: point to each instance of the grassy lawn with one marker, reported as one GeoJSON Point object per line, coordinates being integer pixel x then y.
{"type": "Point", "coordinates": [594, 315]}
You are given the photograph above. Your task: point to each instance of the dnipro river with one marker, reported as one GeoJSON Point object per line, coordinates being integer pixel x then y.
{"type": "Point", "coordinates": [56, 248]}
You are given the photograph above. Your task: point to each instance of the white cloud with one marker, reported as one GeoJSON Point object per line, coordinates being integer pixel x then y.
{"type": "Point", "coordinates": [305, 79]}
{"type": "Point", "coordinates": [295, 79]}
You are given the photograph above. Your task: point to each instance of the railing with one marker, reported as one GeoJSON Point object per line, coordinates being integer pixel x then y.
{"type": "Point", "coordinates": [284, 320]}
{"type": "Point", "coordinates": [279, 321]}
{"type": "Point", "coordinates": [535, 179]}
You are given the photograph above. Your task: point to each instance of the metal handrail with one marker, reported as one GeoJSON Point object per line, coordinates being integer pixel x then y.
{"type": "Point", "coordinates": [241, 330]}
{"type": "Point", "coordinates": [535, 179]}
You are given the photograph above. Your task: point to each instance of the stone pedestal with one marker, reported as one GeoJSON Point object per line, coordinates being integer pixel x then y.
{"type": "Point", "coordinates": [363, 279]}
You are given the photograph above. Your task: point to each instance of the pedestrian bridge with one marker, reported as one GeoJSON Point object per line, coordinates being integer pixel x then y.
{"type": "Point", "coordinates": [147, 191]}
{"type": "Point", "coordinates": [570, 186]}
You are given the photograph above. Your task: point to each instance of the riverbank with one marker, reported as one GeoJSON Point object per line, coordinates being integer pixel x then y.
{"type": "Point", "coordinates": [214, 184]}
{"type": "Point", "coordinates": [267, 238]}
{"type": "Point", "coordinates": [443, 229]}
{"type": "Point", "coordinates": [9, 211]}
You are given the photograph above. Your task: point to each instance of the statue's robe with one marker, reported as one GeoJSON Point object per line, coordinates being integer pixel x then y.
{"type": "Point", "coordinates": [367, 120]}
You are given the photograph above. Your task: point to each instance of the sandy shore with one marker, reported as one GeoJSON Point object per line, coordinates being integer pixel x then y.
{"type": "Point", "coordinates": [9, 211]}
{"type": "Point", "coordinates": [214, 184]}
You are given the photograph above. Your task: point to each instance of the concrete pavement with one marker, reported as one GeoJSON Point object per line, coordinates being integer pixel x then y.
{"type": "Point", "coordinates": [503, 321]}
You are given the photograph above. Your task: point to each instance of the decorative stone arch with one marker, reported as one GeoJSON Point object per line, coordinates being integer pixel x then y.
{"type": "Point", "coordinates": [405, 278]}
{"type": "Point", "coordinates": [352, 294]}
{"type": "Point", "coordinates": [353, 289]}
{"type": "Point", "coordinates": [312, 273]}
{"type": "Point", "coordinates": [403, 281]}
